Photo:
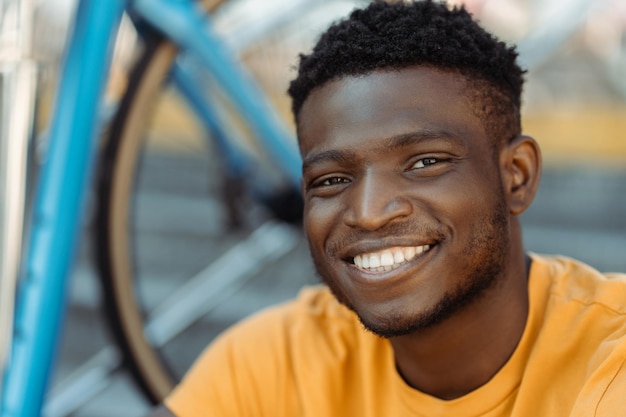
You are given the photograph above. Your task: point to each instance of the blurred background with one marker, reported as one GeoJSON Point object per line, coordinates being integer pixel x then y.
{"type": "Point", "coordinates": [574, 105]}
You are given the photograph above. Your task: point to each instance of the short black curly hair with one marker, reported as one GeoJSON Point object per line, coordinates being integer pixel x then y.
{"type": "Point", "coordinates": [391, 36]}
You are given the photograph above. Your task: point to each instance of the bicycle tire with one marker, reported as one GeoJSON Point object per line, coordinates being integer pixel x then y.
{"type": "Point", "coordinates": [120, 162]}
{"type": "Point", "coordinates": [116, 174]}
{"type": "Point", "coordinates": [114, 181]}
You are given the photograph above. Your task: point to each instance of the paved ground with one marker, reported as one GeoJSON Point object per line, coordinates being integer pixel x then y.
{"type": "Point", "coordinates": [578, 212]}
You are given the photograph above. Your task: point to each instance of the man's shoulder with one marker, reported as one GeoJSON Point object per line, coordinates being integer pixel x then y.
{"type": "Point", "coordinates": [571, 280]}
{"type": "Point", "coordinates": [314, 315]}
{"type": "Point", "coordinates": [576, 334]}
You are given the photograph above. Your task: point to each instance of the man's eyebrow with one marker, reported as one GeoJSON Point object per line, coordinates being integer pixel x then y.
{"type": "Point", "coordinates": [331, 155]}
{"type": "Point", "coordinates": [412, 138]}
{"type": "Point", "coordinates": [390, 143]}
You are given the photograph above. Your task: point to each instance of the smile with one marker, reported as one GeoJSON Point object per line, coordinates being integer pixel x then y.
{"type": "Point", "coordinates": [388, 259]}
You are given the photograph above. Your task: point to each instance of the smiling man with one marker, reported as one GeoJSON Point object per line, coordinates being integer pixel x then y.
{"type": "Point", "coordinates": [415, 171]}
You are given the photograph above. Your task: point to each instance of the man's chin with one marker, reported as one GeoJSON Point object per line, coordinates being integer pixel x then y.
{"type": "Point", "coordinates": [404, 322]}
{"type": "Point", "coordinates": [396, 325]}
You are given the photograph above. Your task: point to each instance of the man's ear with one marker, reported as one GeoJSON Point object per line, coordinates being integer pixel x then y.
{"type": "Point", "coordinates": [521, 171]}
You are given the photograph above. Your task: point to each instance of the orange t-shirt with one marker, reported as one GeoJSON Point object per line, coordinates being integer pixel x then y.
{"type": "Point", "coordinates": [312, 357]}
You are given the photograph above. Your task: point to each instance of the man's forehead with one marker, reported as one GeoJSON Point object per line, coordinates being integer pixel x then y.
{"type": "Point", "coordinates": [364, 96]}
{"type": "Point", "coordinates": [419, 79]}
{"type": "Point", "coordinates": [376, 106]}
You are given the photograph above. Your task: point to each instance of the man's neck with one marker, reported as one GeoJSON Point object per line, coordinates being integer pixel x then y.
{"type": "Point", "coordinates": [466, 350]}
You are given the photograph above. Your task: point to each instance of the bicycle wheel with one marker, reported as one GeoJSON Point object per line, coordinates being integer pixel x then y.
{"type": "Point", "coordinates": [175, 271]}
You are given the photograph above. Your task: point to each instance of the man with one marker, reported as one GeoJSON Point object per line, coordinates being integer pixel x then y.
{"type": "Point", "coordinates": [414, 174]}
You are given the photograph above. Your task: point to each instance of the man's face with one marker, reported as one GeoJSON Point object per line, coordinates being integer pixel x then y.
{"type": "Point", "coordinates": [404, 208]}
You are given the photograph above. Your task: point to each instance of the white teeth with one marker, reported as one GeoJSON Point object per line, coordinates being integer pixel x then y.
{"type": "Point", "coordinates": [398, 256]}
{"type": "Point", "coordinates": [388, 259]}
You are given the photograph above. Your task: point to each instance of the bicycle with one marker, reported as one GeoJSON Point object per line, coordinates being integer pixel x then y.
{"type": "Point", "coordinates": [64, 179]}
{"type": "Point", "coordinates": [107, 16]}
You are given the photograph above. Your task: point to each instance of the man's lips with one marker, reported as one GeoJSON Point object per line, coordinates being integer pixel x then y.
{"type": "Point", "coordinates": [388, 258]}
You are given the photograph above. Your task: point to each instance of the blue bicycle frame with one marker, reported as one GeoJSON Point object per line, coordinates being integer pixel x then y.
{"type": "Point", "coordinates": [66, 174]}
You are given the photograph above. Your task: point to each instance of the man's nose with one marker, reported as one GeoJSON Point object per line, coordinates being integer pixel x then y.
{"type": "Point", "coordinates": [376, 200]}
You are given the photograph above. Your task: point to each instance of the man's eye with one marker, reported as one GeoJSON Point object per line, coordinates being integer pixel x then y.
{"type": "Point", "coordinates": [425, 162]}
{"type": "Point", "coordinates": [331, 181]}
